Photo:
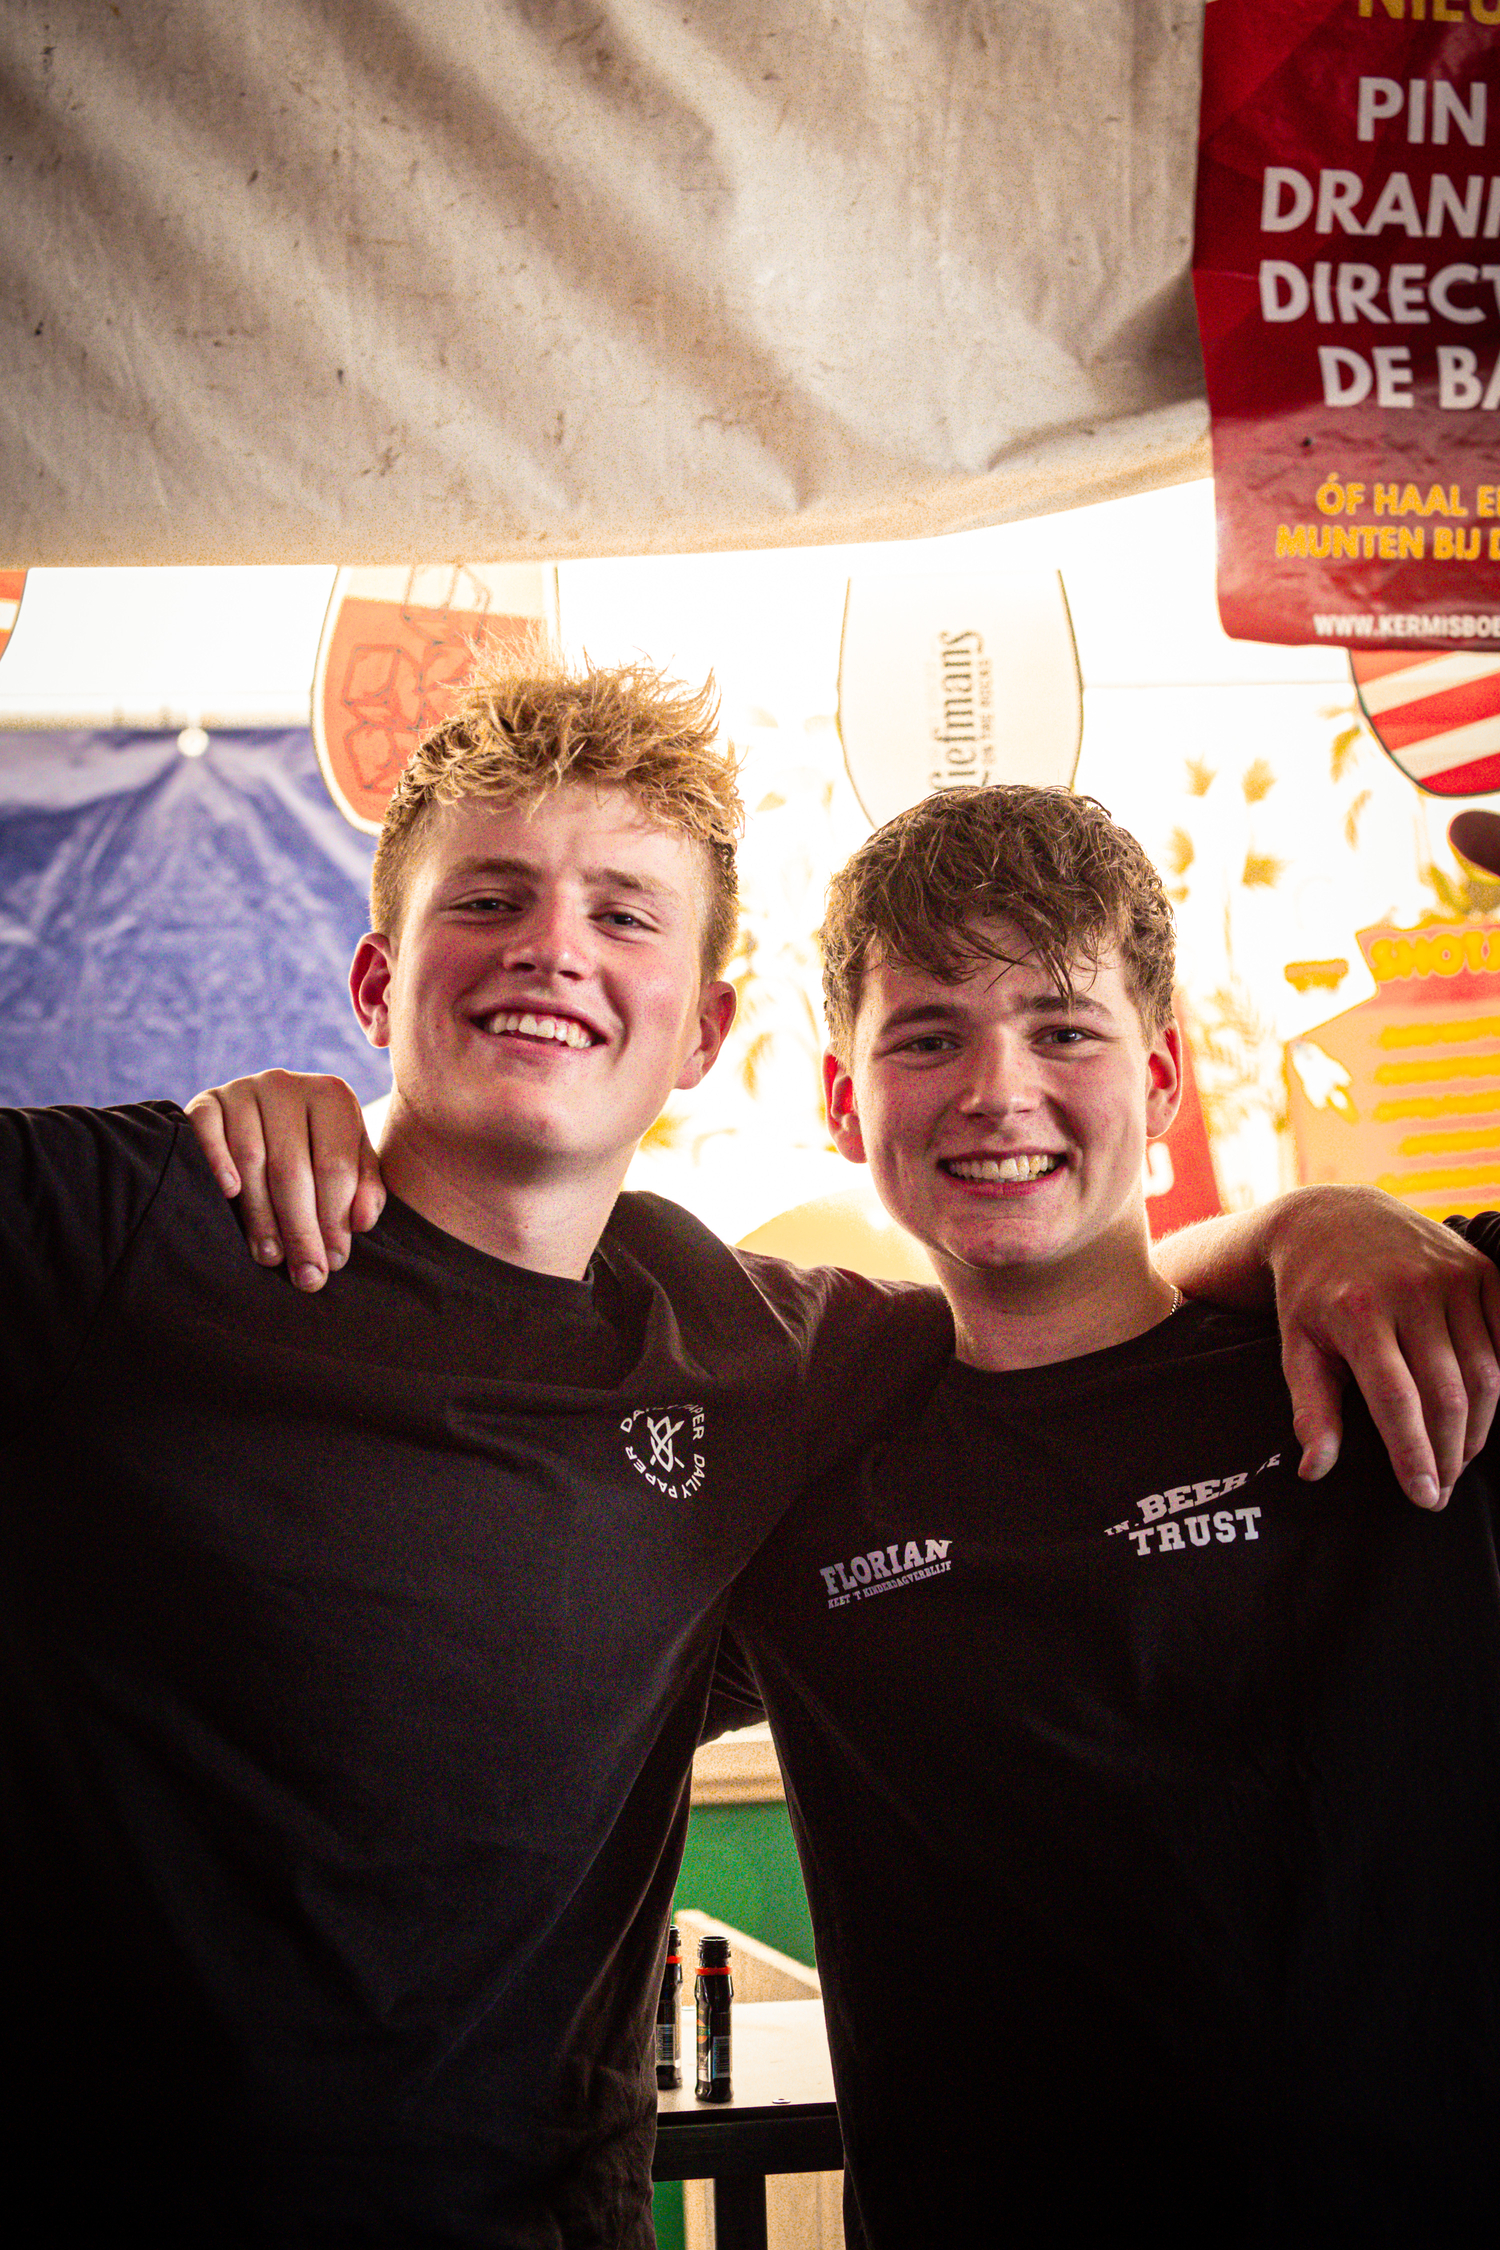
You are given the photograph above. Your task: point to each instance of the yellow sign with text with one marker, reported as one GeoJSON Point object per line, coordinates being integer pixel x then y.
{"type": "Point", "coordinates": [1402, 1091]}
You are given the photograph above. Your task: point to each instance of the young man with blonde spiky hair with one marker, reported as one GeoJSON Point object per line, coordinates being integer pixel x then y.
{"type": "Point", "coordinates": [355, 1647]}
{"type": "Point", "coordinates": [1148, 1799]}
{"type": "Point", "coordinates": [584, 1416]}
{"type": "Point", "coordinates": [600, 803]}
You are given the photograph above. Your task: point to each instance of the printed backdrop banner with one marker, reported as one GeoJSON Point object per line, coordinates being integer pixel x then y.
{"type": "Point", "coordinates": [167, 921]}
{"type": "Point", "coordinates": [357, 284]}
{"type": "Point", "coordinates": [1347, 270]}
{"type": "Point", "coordinates": [1437, 717]}
{"type": "Point", "coordinates": [1402, 1091]}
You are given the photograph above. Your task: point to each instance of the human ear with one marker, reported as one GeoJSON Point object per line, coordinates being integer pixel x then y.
{"type": "Point", "coordinates": [842, 1108]}
{"type": "Point", "coordinates": [1163, 1078]}
{"type": "Point", "coordinates": [716, 1011]}
{"type": "Point", "coordinates": [370, 984]}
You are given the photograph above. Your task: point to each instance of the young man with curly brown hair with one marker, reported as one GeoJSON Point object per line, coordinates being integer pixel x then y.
{"type": "Point", "coordinates": [1148, 1797]}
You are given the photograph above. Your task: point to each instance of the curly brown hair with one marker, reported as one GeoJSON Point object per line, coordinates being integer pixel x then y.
{"type": "Point", "coordinates": [927, 884]}
{"type": "Point", "coordinates": [527, 723]}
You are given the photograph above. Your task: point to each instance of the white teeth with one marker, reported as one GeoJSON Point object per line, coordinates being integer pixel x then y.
{"type": "Point", "coordinates": [1000, 1167]}
{"type": "Point", "coordinates": [563, 1029]}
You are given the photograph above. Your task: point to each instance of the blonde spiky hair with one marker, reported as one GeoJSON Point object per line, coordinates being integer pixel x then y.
{"type": "Point", "coordinates": [527, 723]}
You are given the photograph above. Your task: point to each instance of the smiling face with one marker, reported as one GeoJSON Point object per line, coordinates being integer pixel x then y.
{"type": "Point", "coordinates": [1006, 1123]}
{"type": "Point", "coordinates": [546, 991]}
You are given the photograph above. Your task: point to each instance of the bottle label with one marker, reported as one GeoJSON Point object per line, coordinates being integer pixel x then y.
{"type": "Point", "coordinates": [666, 2042]}
{"type": "Point", "coordinates": [721, 2058]}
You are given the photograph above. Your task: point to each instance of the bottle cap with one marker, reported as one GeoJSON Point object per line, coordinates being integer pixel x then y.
{"type": "Point", "coordinates": [713, 1952]}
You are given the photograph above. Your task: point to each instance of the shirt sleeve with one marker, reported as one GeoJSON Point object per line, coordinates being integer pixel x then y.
{"type": "Point", "coordinates": [870, 1352]}
{"type": "Point", "coordinates": [734, 1693]}
{"type": "Point", "coordinates": [75, 1186]}
{"type": "Point", "coordinates": [1483, 1230]}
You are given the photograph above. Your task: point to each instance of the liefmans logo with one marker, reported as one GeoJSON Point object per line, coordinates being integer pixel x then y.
{"type": "Point", "coordinates": [960, 709]}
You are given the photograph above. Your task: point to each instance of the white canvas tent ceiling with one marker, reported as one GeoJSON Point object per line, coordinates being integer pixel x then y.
{"type": "Point", "coordinates": [373, 280]}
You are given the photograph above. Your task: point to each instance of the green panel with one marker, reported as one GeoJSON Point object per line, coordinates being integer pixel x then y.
{"type": "Point", "coordinates": [740, 1865]}
{"type": "Point", "coordinates": [666, 2213]}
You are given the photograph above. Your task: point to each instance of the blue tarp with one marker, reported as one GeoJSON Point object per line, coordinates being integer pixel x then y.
{"type": "Point", "coordinates": [167, 921]}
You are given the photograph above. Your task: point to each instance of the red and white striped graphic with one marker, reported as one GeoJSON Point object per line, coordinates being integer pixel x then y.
{"type": "Point", "coordinates": [12, 586]}
{"type": "Point", "coordinates": [1436, 715]}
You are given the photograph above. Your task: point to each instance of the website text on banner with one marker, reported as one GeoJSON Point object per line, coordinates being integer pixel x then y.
{"type": "Point", "coordinates": [1347, 272]}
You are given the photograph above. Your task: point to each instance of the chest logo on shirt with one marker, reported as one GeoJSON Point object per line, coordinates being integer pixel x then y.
{"type": "Point", "coordinates": [1194, 1515]}
{"type": "Point", "coordinates": [883, 1569]}
{"type": "Point", "coordinates": [662, 1445]}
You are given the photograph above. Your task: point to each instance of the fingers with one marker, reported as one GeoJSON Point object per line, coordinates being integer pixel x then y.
{"type": "Point", "coordinates": [1422, 1430]}
{"type": "Point", "coordinates": [296, 1149]}
{"type": "Point", "coordinates": [1419, 1405]}
{"type": "Point", "coordinates": [245, 1133]}
{"type": "Point", "coordinates": [1472, 1336]}
{"type": "Point", "coordinates": [314, 1135]}
{"type": "Point", "coordinates": [1412, 1384]}
{"type": "Point", "coordinates": [206, 1117]}
{"type": "Point", "coordinates": [1316, 1383]}
{"type": "Point", "coordinates": [1440, 1355]}
{"type": "Point", "coordinates": [291, 1188]}
{"type": "Point", "coordinates": [348, 1191]}
{"type": "Point", "coordinates": [1412, 1312]}
{"type": "Point", "coordinates": [369, 1196]}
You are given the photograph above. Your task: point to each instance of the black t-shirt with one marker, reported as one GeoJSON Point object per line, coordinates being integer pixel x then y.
{"type": "Point", "coordinates": [353, 1651]}
{"type": "Point", "coordinates": [1149, 1804]}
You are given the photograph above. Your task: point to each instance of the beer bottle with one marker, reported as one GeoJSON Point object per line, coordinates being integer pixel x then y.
{"type": "Point", "coordinates": [668, 2021]}
{"type": "Point", "coordinates": [713, 1991]}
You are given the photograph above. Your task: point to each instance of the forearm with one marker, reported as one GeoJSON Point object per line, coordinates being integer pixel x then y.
{"type": "Point", "coordinates": [1226, 1260]}
{"type": "Point", "coordinates": [1364, 1286]}
{"type": "Point", "coordinates": [1343, 1237]}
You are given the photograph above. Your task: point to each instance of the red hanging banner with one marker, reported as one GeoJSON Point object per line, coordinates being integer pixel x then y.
{"type": "Point", "coordinates": [396, 646]}
{"type": "Point", "coordinates": [12, 587]}
{"type": "Point", "coordinates": [1347, 274]}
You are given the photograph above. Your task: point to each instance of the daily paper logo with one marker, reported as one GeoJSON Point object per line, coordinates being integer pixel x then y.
{"type": "Point", "coordinates": [1193, 1515]}
{"type": "Point", "coordinates": [882, 1569]}
{"type": "Point", "coordinates": [662, 1445]}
